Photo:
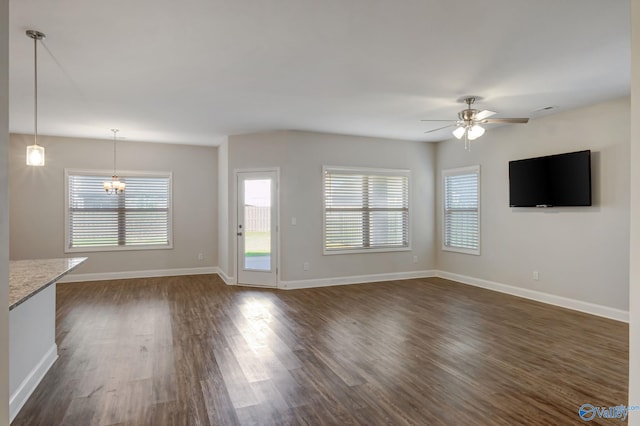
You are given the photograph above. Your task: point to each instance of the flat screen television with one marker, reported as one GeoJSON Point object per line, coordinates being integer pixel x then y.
{"type": "Point", "coordinates": [553, 181]}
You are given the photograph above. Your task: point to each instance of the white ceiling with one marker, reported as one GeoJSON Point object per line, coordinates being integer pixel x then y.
{"type": "Point", "coordinates": [193, 71]}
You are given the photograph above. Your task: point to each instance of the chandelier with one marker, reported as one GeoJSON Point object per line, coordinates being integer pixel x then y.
{"type": "Point", "coordinates": [114, 186]}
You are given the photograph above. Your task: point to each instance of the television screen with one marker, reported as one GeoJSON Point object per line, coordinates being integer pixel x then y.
{"type": "Point", "coordinates": [551, 181]}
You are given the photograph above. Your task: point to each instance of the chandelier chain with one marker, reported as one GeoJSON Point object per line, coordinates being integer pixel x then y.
{"type": "Point", "coordinates": [115, 132]}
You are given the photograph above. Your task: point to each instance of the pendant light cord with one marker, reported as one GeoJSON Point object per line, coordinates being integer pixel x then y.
{"type": "Point", "coordinates": [35, 90]}
{"type": "Point", "coordinates": [35, 35]}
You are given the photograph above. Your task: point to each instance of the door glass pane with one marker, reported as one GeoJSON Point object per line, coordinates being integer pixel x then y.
{"type": "Point", "coordinates": [257, 224]}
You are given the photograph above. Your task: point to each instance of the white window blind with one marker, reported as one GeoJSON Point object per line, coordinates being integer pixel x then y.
{"type": "Point", "coordinates": [138, 218]}
{"type": "Point", "coordinates": [365, 209]}
{"type": "Point", "coordinates": [462, 210]}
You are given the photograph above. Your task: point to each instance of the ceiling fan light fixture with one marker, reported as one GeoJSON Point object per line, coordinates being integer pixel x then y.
{"type": "Point", "coordinates": [459, 132]}
{"type": "Point", "coordinates": [469, 127]}
{"type": "Point", "coordinates": [475, 132]}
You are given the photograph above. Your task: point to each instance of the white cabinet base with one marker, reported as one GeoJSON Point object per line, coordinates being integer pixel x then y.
{"type": "Point", "coordinates": [32, 345]}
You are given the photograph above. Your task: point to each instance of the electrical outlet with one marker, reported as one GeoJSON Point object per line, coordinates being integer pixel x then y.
{"type": "Point", "coordinates": [536, 276]}
{"type": "Point", "coordinates": [200, 256]}
{"type": "Point", "coordinates": [415, 259]}
{"type": "Point", "coordinates": [294, 221]}
{"type": "Point", "coordinates": [305, 266]}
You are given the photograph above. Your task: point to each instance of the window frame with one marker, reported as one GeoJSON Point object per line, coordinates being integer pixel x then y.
{"type": "Point", "coordinates": [459, 171]}
{"type": "Point", "coordinates": [107, 174]}
{"type": "Point", "coordinates": [371, 171]}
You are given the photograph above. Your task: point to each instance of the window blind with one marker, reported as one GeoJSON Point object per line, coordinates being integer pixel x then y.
{"type": "Point", "coordinates": [365, 210]}
{"type": "Point", "coordinates": [461, 209]}
{"type": "Point", "coordinates": [138, 217]}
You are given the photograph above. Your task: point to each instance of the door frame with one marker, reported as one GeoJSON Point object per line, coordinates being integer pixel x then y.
{"type": "Point", "coordinates": [234, 207]}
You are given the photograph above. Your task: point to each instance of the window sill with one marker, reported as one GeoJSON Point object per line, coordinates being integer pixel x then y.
{"type": "Point", "coordinates": [360, 251]}
{"type": "Point", "coordinates": [119, 248]}
{"type": "Point", "coordinates": [461, 250]}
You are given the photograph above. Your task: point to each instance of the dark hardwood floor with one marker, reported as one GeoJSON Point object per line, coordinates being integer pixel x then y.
{"type": "Point", "coordinates": [193, 351]}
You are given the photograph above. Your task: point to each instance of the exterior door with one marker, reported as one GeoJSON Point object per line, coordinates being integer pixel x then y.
{"type": "Point", "coordinates": [257, 230]}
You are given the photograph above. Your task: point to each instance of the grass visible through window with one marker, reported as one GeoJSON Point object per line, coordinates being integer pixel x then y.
{"type": "Point", "coordinates": [257, 243]}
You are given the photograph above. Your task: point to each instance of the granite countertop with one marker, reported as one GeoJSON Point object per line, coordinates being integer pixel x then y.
{"type": "Point", "coordinates": [28, 277]}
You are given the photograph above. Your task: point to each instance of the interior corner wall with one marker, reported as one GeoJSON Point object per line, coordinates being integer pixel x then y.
{"type": "Point", "coordinates": [4, 212]}
{"type": "Point", "coordinates": [37, 201]}
{"type": "Point", "coordinates": [300, 157]}
{"type": "Point", "coordinates": [581, 253]}
{"type": "Point", "coordinates": [223, 209]}
{"type": "Point", "coordinates": [634, 256]}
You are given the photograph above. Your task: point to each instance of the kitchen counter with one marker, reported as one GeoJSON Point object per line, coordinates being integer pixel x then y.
{"type": "Point", "coordinates": [32, 323]}
{"type": "Point", "coordinates": [28, 277]}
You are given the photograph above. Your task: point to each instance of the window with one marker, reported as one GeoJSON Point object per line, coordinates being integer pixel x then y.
{"type": "Point", "coordinates": [461, 231]}
{"type": "Point", "coordinates": [138, 218]}
{"type": "Point", "coordinates": [365, 210]}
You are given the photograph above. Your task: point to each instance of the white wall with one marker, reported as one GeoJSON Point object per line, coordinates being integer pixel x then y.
{"type": "Point", "coordinates": [581, 253]}
{"type": "Point", "coordinates": [4, 212]}
{"type": "Point", "coordinates": [300, 157]}
{"type": "Point", "coordinates": [634, 282]}
{"type": "Point", "coordinates": [37, 201]}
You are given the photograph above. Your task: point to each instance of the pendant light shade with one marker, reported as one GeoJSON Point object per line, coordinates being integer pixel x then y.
{"type": "Point", "coordinates": [35, 155]}
{"type": "Point", "coordinates": [35, 152]}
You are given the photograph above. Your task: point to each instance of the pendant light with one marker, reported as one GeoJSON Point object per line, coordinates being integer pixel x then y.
{"type": "Point", "coordinates": [114, 186]}
{"type": "Point", "coordinates": [35, 152]}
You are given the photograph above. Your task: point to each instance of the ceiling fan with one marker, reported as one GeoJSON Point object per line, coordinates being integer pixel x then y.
{"type": "Point", "coordinates": [468, 124]}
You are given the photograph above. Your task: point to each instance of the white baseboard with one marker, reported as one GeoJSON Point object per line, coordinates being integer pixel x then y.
{"type": "Point", "coordinates": [226, 278]}
{"type": "Point", "coordinates": [29, 384]}
{"type": "Point", "coordinates": [538, 296]}
{"type": "Point", "coordinates": [101, 276]}
{"type": "Point", "coordinates": [576, 305]}
{"type": "Point", "coordinates": [354, 279]}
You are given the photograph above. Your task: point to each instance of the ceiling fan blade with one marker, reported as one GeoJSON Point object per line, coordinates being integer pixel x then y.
{"type": "Point", "coordinates": [440, 128]}
{"type": "Point", "coordinates": [484, 114]}
{"type": "Point", "coordinates": [438, 120]}
{"type": "Point", "coordinates": [506, 120]}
